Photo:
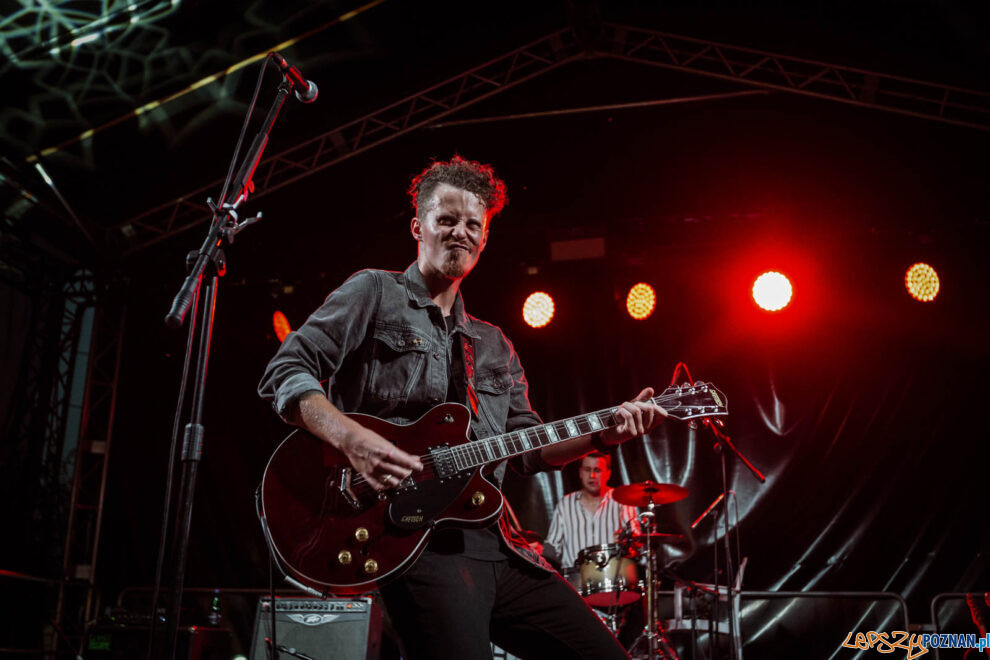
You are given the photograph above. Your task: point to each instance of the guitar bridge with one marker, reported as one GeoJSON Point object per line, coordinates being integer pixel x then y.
{"type": "Point", "coordinates": [346, 475]}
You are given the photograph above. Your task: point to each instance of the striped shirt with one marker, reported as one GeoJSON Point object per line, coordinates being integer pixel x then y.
{"type": "Point", "coordinates": [573, 529]}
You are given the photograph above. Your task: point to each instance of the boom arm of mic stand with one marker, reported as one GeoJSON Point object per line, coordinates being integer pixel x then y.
{"type": "Point", "coordinates": [725, 441]}
{"type": "Point", "coordinates": [243, 185]}
{"type": "Point", "coordinates": [708, 510]}
{"type": "Point", "coordinates": [243, 182]}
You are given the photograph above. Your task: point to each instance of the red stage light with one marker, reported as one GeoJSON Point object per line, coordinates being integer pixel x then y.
{"type": "Point", "coordinates": [921, 281]}
{"type": "Point", "coordinates": [538, 309]}
{"type": "Point", "coordinates": [281, 325]}
{"type": "Point", "coordinates": [641, 301]}
{"type": "Point", "coordinates": [772, 291]}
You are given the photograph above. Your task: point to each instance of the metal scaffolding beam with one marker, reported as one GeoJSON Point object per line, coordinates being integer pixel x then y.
{"type": "Point", "coordinates": [953, 105]}
{"type": "Point", "coordinates": [25, 448]}
{"type": "Point", "coordinates": [56, 450]}
{"type": "Point", "coordinates": [869, 89]}
{"type": "Point", "coordinates": [78, 600]}
{"type": "Point", "coordinates": [399, 118]}
{"type": "Point", "coordinates": [60, 454]}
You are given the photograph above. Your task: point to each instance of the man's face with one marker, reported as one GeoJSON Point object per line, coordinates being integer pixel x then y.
{"type": "Point", "coordinates": [594, 475]}
{"type": "Point", "coordinates": [452, 229]}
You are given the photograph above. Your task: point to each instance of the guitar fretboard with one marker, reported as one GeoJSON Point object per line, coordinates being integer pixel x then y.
{"type": "Point", "coordinates": [497, 448]}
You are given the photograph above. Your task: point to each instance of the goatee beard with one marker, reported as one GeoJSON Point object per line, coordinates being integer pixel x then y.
{"type": "Point", "coordinates": [453, 268]}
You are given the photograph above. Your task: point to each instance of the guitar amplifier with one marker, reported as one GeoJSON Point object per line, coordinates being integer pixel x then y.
{"type": "Point", "coordinates": [338, 628]}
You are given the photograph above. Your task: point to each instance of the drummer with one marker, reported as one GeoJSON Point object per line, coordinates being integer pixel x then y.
{"type": "Point", "coordinates": [589, 516]}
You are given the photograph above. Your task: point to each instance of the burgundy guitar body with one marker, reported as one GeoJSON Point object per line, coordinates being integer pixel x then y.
{"type": "Point", "coordinates": [332, 532]}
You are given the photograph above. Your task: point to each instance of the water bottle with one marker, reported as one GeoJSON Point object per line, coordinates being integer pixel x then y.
{"type": "Point", "coordinates": [214, 616]}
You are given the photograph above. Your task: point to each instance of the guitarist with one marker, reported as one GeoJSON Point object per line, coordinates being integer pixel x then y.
{"type": "Point", "coordinates": [394, 345]}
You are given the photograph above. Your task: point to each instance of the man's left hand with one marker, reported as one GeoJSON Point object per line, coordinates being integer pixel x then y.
{"type": "Point", "coordinates": [635, 418]}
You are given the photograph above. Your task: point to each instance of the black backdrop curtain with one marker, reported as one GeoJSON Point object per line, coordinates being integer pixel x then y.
{"type": "Point", "coordinates": [861, 406]}
{"type": "Point", "coordinates": [866, 427]}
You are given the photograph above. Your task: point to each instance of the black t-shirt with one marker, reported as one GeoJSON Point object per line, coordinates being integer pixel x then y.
{"type": "Point", "coordinates": [484, 543]}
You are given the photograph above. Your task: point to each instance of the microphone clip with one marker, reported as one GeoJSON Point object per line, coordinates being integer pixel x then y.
{"type": "Point", "coordinates": [306, 90]}
{"type": "Point", "coordinates": [233, 224]}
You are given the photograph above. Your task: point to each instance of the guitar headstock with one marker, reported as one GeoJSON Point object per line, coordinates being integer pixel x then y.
{"type": "Point", "coordinates": [687, 401]}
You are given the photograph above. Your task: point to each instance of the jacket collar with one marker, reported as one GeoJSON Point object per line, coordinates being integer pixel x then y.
{"type": "Point", "coordinates": [419, 294]}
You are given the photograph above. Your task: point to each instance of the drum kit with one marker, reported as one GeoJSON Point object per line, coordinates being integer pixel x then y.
{"type": "Point", "coordinates": [608, 576]}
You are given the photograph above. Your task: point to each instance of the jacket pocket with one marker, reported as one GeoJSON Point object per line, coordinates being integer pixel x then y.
{"type": "Point", "coordinates": [399, 355]}
{"type": "Point", "coordinates": [493, 387]}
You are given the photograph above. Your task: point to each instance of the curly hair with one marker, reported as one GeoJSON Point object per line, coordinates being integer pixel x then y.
{"type": "Point", "coordinates": [469, 175]}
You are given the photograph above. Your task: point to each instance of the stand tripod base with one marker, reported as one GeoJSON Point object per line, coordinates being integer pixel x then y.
{"type": "Point", "coordinates": [661, 646]}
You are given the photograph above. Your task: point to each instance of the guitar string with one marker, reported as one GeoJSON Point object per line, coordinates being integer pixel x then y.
{"type": "Point", "coordinates": [428, 461]}
{"type": "Point", "coordinates": [464, 452]}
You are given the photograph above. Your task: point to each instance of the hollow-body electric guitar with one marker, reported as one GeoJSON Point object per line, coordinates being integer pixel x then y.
{"type": "Point", "coordinates": [332, 532]}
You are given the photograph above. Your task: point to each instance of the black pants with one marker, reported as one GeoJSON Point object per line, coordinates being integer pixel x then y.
{"type": "Point", "coordinates": [448, 606]}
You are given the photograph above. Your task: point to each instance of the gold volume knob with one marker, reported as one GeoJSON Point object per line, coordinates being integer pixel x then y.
{"type": "Point", "coordinates": [478, 498]}
{"type": "Point", "coordinates": [371, 566]}
{"type": "Point", "coordinates": [361, 534]}
{"type": "Point", "coordinates": [344, 557]}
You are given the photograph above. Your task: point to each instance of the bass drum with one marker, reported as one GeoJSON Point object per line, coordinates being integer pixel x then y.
{"type": "Point", "coordinates": [608, 576]}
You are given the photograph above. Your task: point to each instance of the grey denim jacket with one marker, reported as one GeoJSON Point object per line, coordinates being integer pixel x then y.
{"type": "Point", "coordinates": [379, 345]}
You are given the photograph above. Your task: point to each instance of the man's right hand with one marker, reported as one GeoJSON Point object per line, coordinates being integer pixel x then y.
{"type": "Point", "coordinates": [383, 464]}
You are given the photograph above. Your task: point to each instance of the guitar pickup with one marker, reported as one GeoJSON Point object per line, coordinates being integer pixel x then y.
{"type": "Point", "coordinates": [443, 462]}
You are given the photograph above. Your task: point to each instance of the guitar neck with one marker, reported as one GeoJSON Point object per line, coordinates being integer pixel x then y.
{"type": "Point", "coordinates": [515, 443]}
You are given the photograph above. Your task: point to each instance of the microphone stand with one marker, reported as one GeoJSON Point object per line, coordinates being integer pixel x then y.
{"type": "Point", "coordinates": [209, 259]}
{"type": "Point", "coordinates": [722, 444]}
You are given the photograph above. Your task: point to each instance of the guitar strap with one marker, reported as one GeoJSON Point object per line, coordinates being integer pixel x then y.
{"type": "Point", "coordinates": [467, 346]}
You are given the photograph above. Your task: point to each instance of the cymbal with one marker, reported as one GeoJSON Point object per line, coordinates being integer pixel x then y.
{"type": "Point", "coordinates": [644, 492]}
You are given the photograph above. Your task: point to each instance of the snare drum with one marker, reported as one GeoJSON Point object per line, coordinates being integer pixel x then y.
{"type": "Point", "coordinates": [608, 576]}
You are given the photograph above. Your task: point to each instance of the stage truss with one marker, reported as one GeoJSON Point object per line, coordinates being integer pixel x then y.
{"type": "Point", "coordinates": [754, 68]}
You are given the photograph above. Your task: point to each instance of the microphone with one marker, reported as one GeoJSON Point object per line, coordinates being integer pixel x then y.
{"type": "Point", "coordinates": [306, 90]}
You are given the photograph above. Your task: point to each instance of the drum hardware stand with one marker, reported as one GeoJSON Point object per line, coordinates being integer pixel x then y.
{"type": "Point", "coordinates": [693, 588]}
{"type": "Point", "coordinates": [614, 619]}
{"type": "Point", "coordinates": [653, 635]}
{"type": "Point", "coordinates": [612, 611]}
{"type": "Point", "coordinates": [614, 614]}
